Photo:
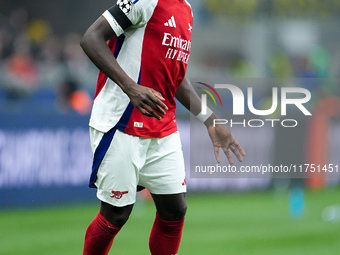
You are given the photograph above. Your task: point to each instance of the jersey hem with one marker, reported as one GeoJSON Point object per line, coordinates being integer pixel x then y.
{"type": "Point", "coordinates": [146, 134]}
{"type": "Point", "coordinates": [153, 134]}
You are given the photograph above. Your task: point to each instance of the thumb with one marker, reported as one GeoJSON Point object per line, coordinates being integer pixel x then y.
{"type": "Point", "coordinates": [158, 95]}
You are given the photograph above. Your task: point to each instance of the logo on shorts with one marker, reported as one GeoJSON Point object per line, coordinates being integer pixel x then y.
{"type": "Point", "coordinates": [118, 194]}
{"type": "Point", "coordinates": [185, 182]}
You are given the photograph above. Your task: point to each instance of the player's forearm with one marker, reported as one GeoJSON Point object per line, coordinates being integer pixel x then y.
{"type": "Point", "coordinates": [188, 97]}
{"type": "Point", "coordinates": [95, 47]}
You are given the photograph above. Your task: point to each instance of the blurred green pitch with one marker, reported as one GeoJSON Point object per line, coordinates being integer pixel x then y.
{"type": "Point", "coordinates": [216, 223]}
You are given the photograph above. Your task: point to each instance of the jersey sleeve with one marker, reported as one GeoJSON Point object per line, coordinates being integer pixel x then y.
{"type": "Point", "coordinates": [126, 13]}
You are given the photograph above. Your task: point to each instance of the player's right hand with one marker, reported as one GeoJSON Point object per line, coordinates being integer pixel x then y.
{"type": "Point", "coordinates": [148, 101]}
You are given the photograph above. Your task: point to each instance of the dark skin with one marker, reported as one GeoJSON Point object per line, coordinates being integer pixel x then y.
{"type": "Point", "coordinates": [220, 135]}
{"type": "Point", "coordinates": [146, 100]}
{"type": "Point", "coordinates": [151, 103]}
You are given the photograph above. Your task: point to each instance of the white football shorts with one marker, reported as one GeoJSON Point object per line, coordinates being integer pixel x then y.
{"type": "Point", "coordinates": [122, 161]}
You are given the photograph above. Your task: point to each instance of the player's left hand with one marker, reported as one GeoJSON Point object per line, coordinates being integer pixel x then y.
{"type": "Point", "coordinates": [221, 137]}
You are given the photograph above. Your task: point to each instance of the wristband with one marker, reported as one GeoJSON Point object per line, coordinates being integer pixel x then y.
{"type": "Point", "coordinates": [204, 117]}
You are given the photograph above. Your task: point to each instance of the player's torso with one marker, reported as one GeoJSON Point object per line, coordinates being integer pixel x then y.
{"type": "Point", "coordinates": [165, 55]}
{"type": "Point", "coordinates": [165, 44]}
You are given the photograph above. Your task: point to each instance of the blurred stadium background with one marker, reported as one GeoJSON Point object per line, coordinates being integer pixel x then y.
{"type": "Point", "coordinates": [46, 90]}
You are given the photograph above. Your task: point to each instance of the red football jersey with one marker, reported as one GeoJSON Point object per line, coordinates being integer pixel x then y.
{"type": "Point", "coordinates": [153, 47]}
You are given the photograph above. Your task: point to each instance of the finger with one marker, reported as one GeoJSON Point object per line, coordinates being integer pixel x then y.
{"type": "Point", "coordinates": [148, 114]}
{"type": "Point", "coordinates": [158, 95]}
{"type": "Point", "coordinates": [157, 99]}
{"type": "Point", "coordinates": [152, 113]}
{"type": "Point", "coordinates": [154, 106]}
{"type": "Point", "coordinates": [144, 112]}
{"type": "Point", "coordinates": [217, 154]}
{"type": "Point", "coordinates": [228, 155]}
{"type": "Point", "coordinates": [239, 147]}
{"type": "Point", "coordinates": [151, 101]}
{"type": "Point", "coordinates": [236, 153]}
{"type": "Point", "coordinates": [159, 104]}
{"type": "Point", "coordinates": [159, 109]}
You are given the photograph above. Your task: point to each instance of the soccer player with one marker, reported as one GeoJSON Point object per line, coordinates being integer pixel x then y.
{"type": "Point", "coordinates": [142, 48]}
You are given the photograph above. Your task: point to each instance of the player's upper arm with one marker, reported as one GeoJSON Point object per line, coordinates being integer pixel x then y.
{"type": "Point", "coordinates": [184, 89]}
{"type": "Point", "coordinates": [125, 14]}
{"type": "Point", "coordinates": [99, 29]}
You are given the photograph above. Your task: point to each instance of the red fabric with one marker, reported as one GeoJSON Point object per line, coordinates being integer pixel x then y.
{"type": "Point", "coordinates": [99, 236]}
{"type": "Point", "coordinates": [165, 236]}
{"type": "Point", "coordinates": [163, 65]}
{"type": "Point", "coordinates": [102, 77]}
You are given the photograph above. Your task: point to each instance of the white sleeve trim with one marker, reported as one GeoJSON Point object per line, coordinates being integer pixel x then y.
{"type": "Point", "coordinates": [113, 23]}
{"type": "Point", "coordinates": [203, 117]}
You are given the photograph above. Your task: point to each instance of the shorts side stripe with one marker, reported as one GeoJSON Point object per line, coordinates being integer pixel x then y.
{"type": "Point", "coordinates": [100, 153]}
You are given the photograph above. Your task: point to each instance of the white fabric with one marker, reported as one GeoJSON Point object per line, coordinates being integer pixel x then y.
{"type": "Point", "coordinates": [155, 163]}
